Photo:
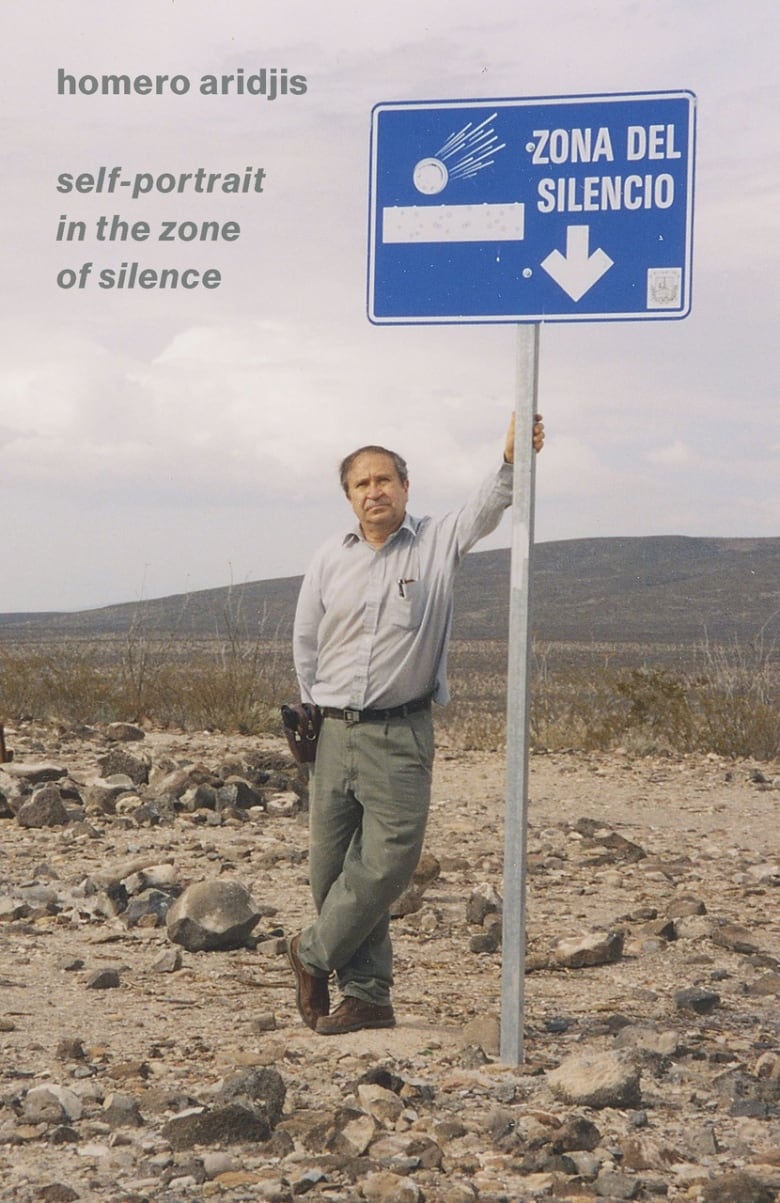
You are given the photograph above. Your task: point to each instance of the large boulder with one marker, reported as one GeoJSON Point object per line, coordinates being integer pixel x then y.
{"type": "Point", "coordinates": [119, 760]}
{"type": "Point", "coordinates": [212, 915]}
{"type": "Point", "coordinates": [598, 1079]}
{"type": "Point", "coordinates": [44, 809]}
{"type": "Point", "coordinates": [247, 1108]}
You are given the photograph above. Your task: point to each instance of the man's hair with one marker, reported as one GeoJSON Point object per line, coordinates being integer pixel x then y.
{"type": "Point", "coordinates": [346, 464]}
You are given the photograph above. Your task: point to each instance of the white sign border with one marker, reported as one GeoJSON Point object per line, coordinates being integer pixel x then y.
{"type": "Point", "coordinates": [659, 314]}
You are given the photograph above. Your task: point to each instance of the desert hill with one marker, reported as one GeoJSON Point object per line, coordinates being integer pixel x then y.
{"type": "Point", "coordinates": [652, 589]}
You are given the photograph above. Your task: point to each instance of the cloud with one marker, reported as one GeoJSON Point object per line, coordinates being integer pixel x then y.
{"type": "Point", "coordinates": [676, 454]}
{"type": "Point", "coordinates": [186, 431]}
{"type": "Point", "coordinates": [252, 408]}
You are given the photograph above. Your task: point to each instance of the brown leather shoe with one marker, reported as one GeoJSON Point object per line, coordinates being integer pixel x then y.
{"type": "Point", "coordinates": [352, 1014]}
{"type": "Point", "coordinates": [311, 992]}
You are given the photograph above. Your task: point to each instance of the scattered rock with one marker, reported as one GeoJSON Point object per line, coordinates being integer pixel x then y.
{"type": "Point", "coordinates": [44, 809]}
{"type": "Point", "coordinates": [736, 937]}
{"type": "Point", "coordinates": [283, 804]}
{"type": "Point", "coordinates": [212, 915]}
{"type": "Point", "coordinates": [382, 1104]}
{"type": "Point", "coordinates": [248, 1108]}
{"type": "Point", "coordinates": [485, 900]}
{"type": "Point", "coordinates": [104, 979]}
{"type": "Point", "coordinates": [119, 761]}
{"type": "Point", "coordinates": [34, 773]}
{"type": "Point", "coordinates": [168, 961]}
{"type": "Point", "coordinates": [769, 983]}
{"type": "Point", "coordinates": [484, 1031]}
{"type": "Point", "coordinates": [232, 1123]}
{"type": "Point", "coordinates": [349, 1132]}
{"type": "Point", "coordinates": [124, 733]}
{"type": "Point", "coordinates": [596, 948]}
{"type": "Point", "coordinates": [58, 1192]}
{"type": "Point", "coordinates": [52, 1105]}
{"type": "Point", "coordinates": [738, 1187]}
{"type": "Point", "coordinates": [597, 1080]}
{"type": "Point", "coordinates": [265, 1089]}
{"type": "Point", "coordinates": [122, 1111]}
{"type": "Point", "coordinates": [385, 1187]}
{"type": "Point", "coordinates": [612, 1185]}
{"type": "Point", "coordinates": [648, 1040]}
{"type": "Point", "coordinates": [694, 998]}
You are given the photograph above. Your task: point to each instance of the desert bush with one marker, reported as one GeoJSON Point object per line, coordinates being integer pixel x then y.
{"type": "Point", "coordinates": [186, 683]}
{"type": "Point", "coordinates": [736, 698]}
{"type": "Point", "coordinates": [725, 701]}
{"type": "Point", "coordinates": [62, 680]}
{"type": "Point", "coordinates": [234, 681]}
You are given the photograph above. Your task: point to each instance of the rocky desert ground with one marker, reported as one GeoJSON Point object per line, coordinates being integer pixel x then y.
{"type": "Point", "coordinates": [136, 1067]}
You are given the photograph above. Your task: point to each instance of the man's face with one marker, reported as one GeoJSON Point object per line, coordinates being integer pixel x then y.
{"type": "Point", "coordinates": [377, 495]}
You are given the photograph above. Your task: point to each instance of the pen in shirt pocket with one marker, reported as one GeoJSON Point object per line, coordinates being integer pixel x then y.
{"type": "Point", "coordinates": [402, 583]}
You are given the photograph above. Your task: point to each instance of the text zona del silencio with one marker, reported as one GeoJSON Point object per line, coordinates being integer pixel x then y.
{"type": "Point", "coordinates": [593, 193]}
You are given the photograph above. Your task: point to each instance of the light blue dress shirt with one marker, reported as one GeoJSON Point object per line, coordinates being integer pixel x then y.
{"type": "Point", "coordinates": [372, 624]}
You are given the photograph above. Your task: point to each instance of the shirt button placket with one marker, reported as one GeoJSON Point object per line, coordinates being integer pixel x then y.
{"type": "Point", "coordinates": [370, 623]}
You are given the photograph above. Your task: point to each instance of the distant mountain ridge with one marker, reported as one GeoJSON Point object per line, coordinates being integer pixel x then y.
{"type": "Point", "coordinates": [648, 589]}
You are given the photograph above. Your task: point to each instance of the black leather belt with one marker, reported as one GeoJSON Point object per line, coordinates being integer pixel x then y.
{"type": "Point", "coordinates": [377, 716]}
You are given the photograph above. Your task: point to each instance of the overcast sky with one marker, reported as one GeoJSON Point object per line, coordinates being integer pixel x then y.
{"type": "Point", "coordinates": [157, 441]}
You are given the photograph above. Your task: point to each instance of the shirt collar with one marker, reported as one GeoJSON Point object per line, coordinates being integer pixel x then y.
{"type": "Point", "coordinates": [409, 524]}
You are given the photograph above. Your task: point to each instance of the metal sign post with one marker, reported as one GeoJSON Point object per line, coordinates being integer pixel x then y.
{"type": "Point", "coordinates": [517, 718]}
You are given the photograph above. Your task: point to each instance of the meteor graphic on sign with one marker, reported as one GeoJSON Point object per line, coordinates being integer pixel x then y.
{"type": "Point", "coordinates": [473, 149]}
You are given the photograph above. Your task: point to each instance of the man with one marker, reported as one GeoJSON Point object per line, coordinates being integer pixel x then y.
{"type": "Point", "coordinates": [370, 645]}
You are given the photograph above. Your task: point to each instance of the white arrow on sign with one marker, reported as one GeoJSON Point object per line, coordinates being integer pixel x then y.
{"type": "Point", "coordinates": [577, 271]}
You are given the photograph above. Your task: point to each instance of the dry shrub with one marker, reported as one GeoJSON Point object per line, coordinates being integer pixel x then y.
{"type": "Point", "coordinates": [232, 682]}
{"type": "Point", "coordinates": [63, 680]}
{"type": "Point", "coordinates": [727, 702]}
{"type": "Point", "coordinates": [190, 685]}
{"type": "Point", "coordinates": [736, 698]}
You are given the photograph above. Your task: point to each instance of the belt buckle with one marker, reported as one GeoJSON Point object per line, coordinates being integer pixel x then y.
{"type": "Point", "coordinates": [351, 716]}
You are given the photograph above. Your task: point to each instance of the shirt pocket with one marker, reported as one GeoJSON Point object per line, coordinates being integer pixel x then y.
{"type": "Point", "coordinates": [407, 604]}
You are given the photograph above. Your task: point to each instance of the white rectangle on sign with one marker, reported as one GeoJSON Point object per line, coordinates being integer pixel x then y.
{"type": "Point", "coordinates": [453, 223]}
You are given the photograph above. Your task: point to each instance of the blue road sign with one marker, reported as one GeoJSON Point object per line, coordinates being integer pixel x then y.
{"type": "Point", "coordinates": [566, 208]}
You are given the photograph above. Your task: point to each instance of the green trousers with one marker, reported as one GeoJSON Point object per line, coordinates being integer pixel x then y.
{"type": "Point", "coordinates": [369, 799]}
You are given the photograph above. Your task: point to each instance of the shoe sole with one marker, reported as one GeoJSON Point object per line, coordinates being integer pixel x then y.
{"type": "Point", "coordinates": [342, 1029]}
